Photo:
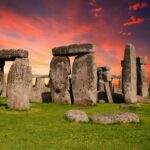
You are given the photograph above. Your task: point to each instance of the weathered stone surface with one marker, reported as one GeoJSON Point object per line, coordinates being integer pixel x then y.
{"type": "Point", "coordinates": [100, 81]}
{"type": "Point", "coordinates": [106, 74]}
{"type": "Point", "coordinates": [77, 116]}
{"type": "Point", "coordinates": [12, 54]}
{"type": "Point", "coordinates": [116, 118]}
{"type": "Point", "coordinates": [2, 80]}
{"type": "Point", "coordinates": [19, 84]}
{"type": "Point", "coordinates": [59, 79]}
{"type": "Point", "coordinates": [108, 92]}
{"type": "Point", "coordinates": [102, 101]}
{"type": "Point", "coordinates": [84, 80]}
{"type": "Point", "coordinates": [72, 50]}
{"type": "Point", "coordinates": [39, 91]}
{"type": "Point", "coordinates": [104, 84]}
{"type": "Point", "coordinates": [142, 77]}
{"type": "Point", "coordinates": [129, 75]}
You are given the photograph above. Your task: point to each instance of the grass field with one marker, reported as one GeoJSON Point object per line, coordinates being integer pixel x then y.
{"type": "Point", "coordinates": [45, 128]}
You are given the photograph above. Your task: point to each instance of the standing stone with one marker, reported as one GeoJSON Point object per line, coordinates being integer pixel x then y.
{"type": "Point", "coordinates": [59, 78]}
{"type": "Point", "coordinates": [37, 90]}
{"type": "Point", "coordinates": [142, 77]}
{"type": "Point", "coordinates": [2, 80]}
{"type": "Point", "coordinates": [84, 80]}
{"type": "Point", "coordinates": [129, 75]}
{"type": "Point", "coordinates": [100, 81]}
{"type": "Point", "coordinates": [19, 84]}
{"type": "Point", "coordinates": [107, 83]}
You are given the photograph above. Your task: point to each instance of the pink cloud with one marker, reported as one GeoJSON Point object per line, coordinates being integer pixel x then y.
{"type": "Point", "coordinates": [134, 20]}
{"type": "Point", "coordinates": [96, 11]}
{"type": "Point", "coordinates": [138, 5]}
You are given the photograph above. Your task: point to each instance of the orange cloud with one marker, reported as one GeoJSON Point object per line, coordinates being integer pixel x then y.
{"type": "Point", "coordinates": [138, 5]}
{"type": "Point", "coordinates": [133, 21]}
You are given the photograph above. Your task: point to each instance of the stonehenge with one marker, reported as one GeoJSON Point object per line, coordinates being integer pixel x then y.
{"type": "Point", "coordinates": [80, 82]}
{"type": "Point", "coordinates": [59, 79]}
{"type": "Point", "coordinates": [84, 80]}
{"type": "Point", "coordinates": [18, 86]}
{"type": "Point", "coordinates": [104, 84]}
{"type": "Point", "coordinates": [12, 54]}
{"type": "Point", "coordinates": [142, 76]}
{"type": "Point", "coordinates": [81, 88]}
{"type": "Point", "coordinates": [40, 92]}
{"type": "Point", "coordinates": [19, 79]}
{"type": "Point", "coordinates": [129, 74]}
{"type": "Point", "coordinates": [73, 50]}
{"type": "Point", "coordinates": [100, 81]}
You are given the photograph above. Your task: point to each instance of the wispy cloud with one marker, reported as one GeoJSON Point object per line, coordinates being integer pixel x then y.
{"type": "Point", "coordinates": [134, 20]}
{"type": "Point", "coordinates": [96, 11]}
{"type": "Point", "coordinates": [138, 5]}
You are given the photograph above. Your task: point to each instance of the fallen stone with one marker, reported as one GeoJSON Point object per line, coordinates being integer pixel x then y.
{"type": "Point", "coordinates": [59, 79]}
{"type": "Point", "coordinates": [19, 84]}
{"type": "Point", "coordinates": [12, 54]}
{"type": "Point", "coordinates": [77, 116]}
{"type": "Point", "coordinates": [102, 101]}
{"type": "Point", "coordinates": [116, 118]}
{"type": "Point", "coordinates": [72, 50]}
{"type": "Point", "coordinates": [84, 80]}
{"type": "Point", "coordinates": [108, 92]}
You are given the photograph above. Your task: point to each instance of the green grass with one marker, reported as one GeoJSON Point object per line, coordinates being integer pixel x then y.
{"type": "Point", "coordinates": [44, 127]}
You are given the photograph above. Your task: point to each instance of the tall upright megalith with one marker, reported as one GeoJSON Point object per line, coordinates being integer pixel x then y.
{"type": "Point", "coordinates": [59, 79]}
{"type": "Point", "coordinates": [84, 80]}
{"type": "Point", "coordinates": [19, 84]}
{"type": "Point", "coordinates": [142, 77]}
{"type": "Point", "coordinates": [100, 81]}
{"type": "Point", "coordinates": [129, 74]}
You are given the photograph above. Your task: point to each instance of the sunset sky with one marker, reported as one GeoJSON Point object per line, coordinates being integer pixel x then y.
{"type": "Point", "coordinates": [40, 25]}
